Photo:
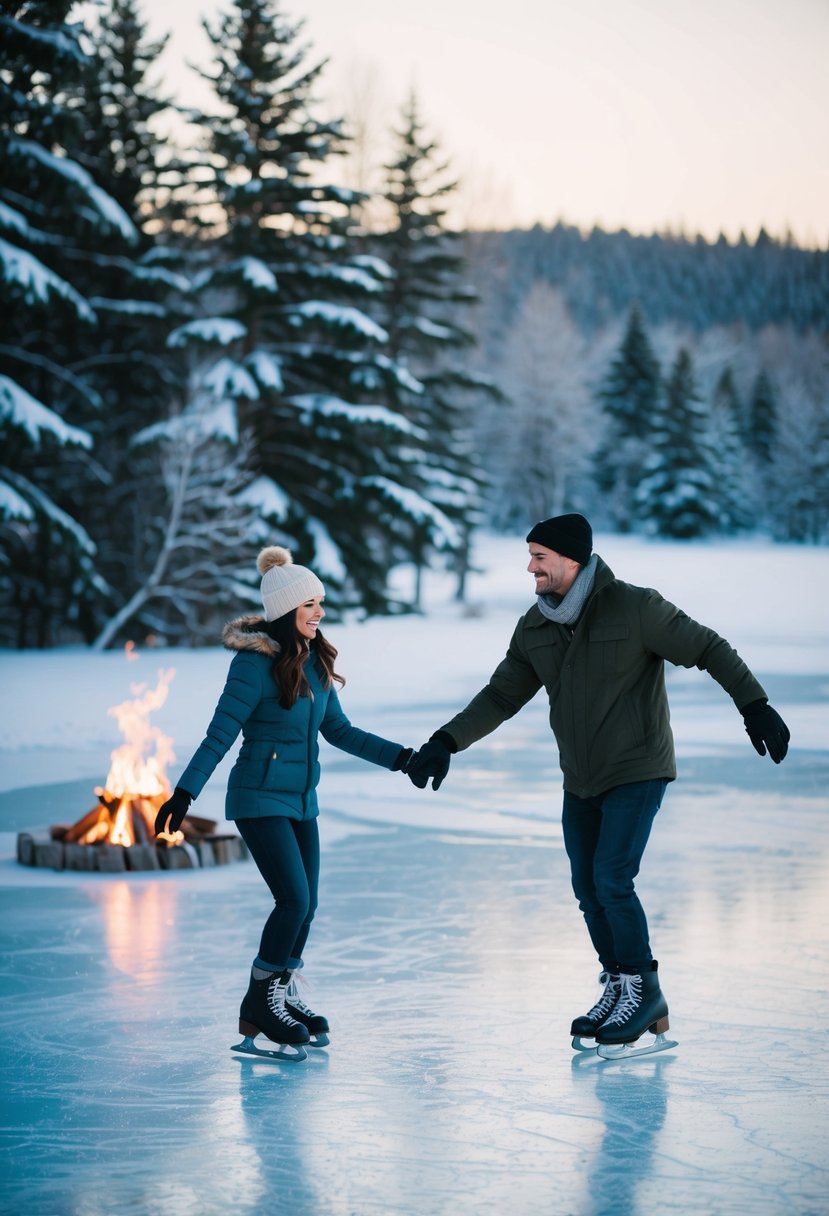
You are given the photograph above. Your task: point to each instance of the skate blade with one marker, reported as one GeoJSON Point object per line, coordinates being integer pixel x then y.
{"type": "Point", "coordinates": [623, 1051]}
{"type": "Point", "coordinates": [318, 1040]}
{"type": "Point", "coordinates": [285, 1051]}
{"type": "Point", "coordinates": [580, 1043]}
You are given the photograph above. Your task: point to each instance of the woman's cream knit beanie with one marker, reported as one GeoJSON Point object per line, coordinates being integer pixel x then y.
{"type": "Point", "coordinates": [284, 585]}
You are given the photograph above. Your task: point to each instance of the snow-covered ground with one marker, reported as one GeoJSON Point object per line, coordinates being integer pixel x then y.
{"type": "Point", "coordinates": [448, 952]}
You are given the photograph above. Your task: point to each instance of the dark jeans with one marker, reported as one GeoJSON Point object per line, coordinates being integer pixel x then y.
{"type": "Point", "coordinates": [605, 838]}
{"type": "Point", "coordinates": [287, 852]}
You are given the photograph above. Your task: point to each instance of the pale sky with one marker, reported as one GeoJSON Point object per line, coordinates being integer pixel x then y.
{"type": "Point", "coordinates": [702, 115]}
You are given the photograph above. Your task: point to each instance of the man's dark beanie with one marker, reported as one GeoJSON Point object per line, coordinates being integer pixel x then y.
{"type": "Point", "coordinates": [569, 535]}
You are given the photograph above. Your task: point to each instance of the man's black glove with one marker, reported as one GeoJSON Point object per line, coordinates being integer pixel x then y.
{"type": "Point", "coordinates": [432, 761]}
{"type": "Point", "coordinates": [766, 729]}
{"type": "Point", "coordinates": [176, 807]}
{"type": "Point", "coordinates": [404, 759]}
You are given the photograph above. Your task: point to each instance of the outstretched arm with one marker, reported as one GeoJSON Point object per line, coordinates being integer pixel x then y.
{"type": "Point", "coordinates": [339, 731]}
{"type": "Point", "coordinates": [670, 633]}
{"type": "Point", "coordinates": [513, 683]}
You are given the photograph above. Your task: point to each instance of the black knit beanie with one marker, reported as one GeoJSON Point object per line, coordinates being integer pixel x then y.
{"type": "Point", "coordinates": [569, 535]}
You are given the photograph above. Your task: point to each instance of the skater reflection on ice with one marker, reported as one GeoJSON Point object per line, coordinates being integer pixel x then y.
{"type": "Point", "coordinates": [280, 694]}
{"type": "Point", "coordinates": [599, 646]}
{"type": "Point", "coordinates": [634, 1107]}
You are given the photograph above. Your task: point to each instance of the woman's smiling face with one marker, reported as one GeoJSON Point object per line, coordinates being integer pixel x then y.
{"type": "Point", "coordinates": [308, 617]}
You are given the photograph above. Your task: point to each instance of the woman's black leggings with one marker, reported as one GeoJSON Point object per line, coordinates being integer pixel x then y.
{"type": "Point", "coordinates": [287, 852]}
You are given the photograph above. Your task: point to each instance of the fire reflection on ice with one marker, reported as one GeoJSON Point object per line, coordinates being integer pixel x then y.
{"type": "Point", "coordinates": [137, 924]}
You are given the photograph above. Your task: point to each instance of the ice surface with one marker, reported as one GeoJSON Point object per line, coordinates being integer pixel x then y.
{"type": "Point", "coordinates": [447, 953]}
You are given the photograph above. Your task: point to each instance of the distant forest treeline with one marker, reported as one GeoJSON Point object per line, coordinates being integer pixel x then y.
{"type": "Point", "coordinates": [746, 325]}
{"type": "Point", "coordinates": [674, 279]}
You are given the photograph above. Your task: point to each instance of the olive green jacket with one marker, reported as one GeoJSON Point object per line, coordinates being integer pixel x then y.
{"type": "Point", "coordinates": [606, 683]}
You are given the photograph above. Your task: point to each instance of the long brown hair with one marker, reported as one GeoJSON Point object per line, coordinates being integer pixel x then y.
{"type": "Point", "coordinates": [289, 665]}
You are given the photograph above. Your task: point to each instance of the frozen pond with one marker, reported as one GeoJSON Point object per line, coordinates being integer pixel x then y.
{"type": "Point", "coordinates": [449, 956]}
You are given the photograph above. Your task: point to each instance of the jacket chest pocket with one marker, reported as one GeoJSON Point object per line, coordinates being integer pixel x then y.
{"type": "Point", "coordinates": [607, 643]}
{"type": "Point", "coordinates": [546, 652]}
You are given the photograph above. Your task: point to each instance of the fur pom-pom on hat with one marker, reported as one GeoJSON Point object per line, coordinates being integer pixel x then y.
{"type": "Point", "coordinates": [284, 585]}
{"type": "Point", "coordinates": [273, 555]}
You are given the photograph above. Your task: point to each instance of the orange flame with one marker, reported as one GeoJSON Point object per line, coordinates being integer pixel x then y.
{"type": "Point", "coordinates": [137, 779]}
{"type": "Point", "coordinates": [138, 766]}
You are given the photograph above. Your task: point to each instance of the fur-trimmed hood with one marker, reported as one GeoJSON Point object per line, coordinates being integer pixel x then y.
{"type": "Point", "coordinates": [249, 633]}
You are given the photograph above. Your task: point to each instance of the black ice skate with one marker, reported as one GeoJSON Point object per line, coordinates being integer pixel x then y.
{"type": "Point", "coordinates": [316, 1025]}
{"type": "Point", "coordinates": [585, 1027]}
{"type": "Point", "coordinates": [263, 1012]}
{"type": "Point", "coordinates": [641, 1006]}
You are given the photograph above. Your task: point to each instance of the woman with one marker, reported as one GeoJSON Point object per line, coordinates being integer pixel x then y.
{"type": "Point", "coordinates": [280, 693]}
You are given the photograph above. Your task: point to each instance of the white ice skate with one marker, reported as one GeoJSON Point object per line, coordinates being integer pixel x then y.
{"type": "Point", "coordinates": [623, 1051]}
{"type": "Point", "coordinates": [280, 1051]}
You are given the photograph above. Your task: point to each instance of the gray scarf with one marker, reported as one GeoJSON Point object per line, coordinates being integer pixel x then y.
{"type": "Point", "coordinates": [567, 611]}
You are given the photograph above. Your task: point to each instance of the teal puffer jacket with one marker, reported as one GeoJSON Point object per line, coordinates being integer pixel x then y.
{"type": "Point", "coordinates": [277, 769]}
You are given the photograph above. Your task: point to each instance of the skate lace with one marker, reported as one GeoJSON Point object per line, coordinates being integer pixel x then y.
{"type": "Point", "coordinates": [629, 1000]}
{"type": "Point", "coordinates": [608, 998]}
{"type": "Point", "coordinates": [292, 995]}
{"type": "Point", "coordinates": [276, 1003]}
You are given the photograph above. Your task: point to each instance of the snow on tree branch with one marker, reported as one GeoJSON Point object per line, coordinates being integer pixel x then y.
{"type": "Point", "coordinates": [32, 416]}
{"type": "Point", "coordinates": [39, 283]}
{"type": "Point", "coordinates": [443, 532]}
{"type": "Point", "coordinates": [103, 203]}
{"type": "Point", "coordinates": [269, 499]}
{"type": "Point", "coordinates": [209, 330]}
{"type": "Point", "coordinates": [12, 504]}
{"type": "Point", "coordinates": [335, 407]}
{"type": "Point", "coordinates": [218, 423]}
{"type": "Point", "coordinates": [267, 368]}
{"type": "Point", "coordinates": [227, 378]}
{"type": "Point", "coordinates": [343, 315]}
{"type": "Point", "coordinates": [52, 512]}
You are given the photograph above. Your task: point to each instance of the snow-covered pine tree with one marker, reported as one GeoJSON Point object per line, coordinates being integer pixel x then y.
{"type": "Point", "coordinates": [733, 480]}
{"type": "Point", "coordinates": [798, 478]}
{"type": "Point", "coordinates": [283, 328]}
{"type": "Point", "coordinates": [762, 418]}
{"type": "Point", "coordinates": [138, 295]}
{"type": "Point", "coordinates": [630, 398]}
{"type": "Point", "coordinates": [422, 308]}
{"type": "Point", "coordinates": [676, 495]}
{"type": "Point", "coordinates": [50, 209]}
{"type": "Point", "coordinates": [544, 442]}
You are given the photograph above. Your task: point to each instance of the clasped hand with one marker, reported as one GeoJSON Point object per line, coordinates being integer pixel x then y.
{"type": "Point", "coordinates": [432, 760]}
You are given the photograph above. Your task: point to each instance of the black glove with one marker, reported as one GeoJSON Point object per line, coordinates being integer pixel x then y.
{"type": "Point", "coordinates": [404, 759]}
{"type": "Point", "coordinates": [766, 729]}
{"type": "Point", "coordinates": [431, 761]}
{"type": "Point", "coordinates": [176, 807]}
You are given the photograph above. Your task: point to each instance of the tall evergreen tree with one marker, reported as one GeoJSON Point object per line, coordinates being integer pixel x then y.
{"type": "Point", "coordinates": [733, 481]}
{"type": "Point", "coordinates": [797, 486]}
{"type": "Point", "coordinates": [630, 398]}
{"type": "Point", "coordinates": [762, 418]}
{"type": "Point", "coordinates": [137, 296]}
{"type": "Point", "coordinates": [283, 331]}
{"type": "Point", "coordinates": [421, 309]}
{"type": "Point", "coordinates": [52, 212]}
{"type": "Point", "coordinates": [677, 495]}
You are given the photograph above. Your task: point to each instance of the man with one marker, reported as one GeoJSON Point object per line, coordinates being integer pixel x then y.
{"type": "Point", "coordinates": [598, 646]}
